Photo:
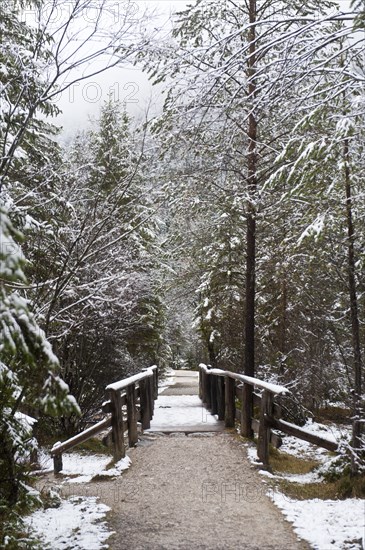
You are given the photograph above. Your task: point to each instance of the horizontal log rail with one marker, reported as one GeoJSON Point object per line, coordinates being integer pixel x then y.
{"type": "Point", "coordinates": [219, 389]}
{"type": "Point", "coordinates": [60, 448]}
{"type": "Point", "coordinates": [297, 431]}
{"type": "Point", "coordinates": [138, 390]}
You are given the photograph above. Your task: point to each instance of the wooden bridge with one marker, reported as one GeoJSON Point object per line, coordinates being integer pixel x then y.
{"type": "Point", "coordinates": [228, 396]}
{"type": "Point", "coordinates": [190, 484]}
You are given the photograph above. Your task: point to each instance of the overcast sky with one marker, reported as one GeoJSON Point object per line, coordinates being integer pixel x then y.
{"type": "Point", "coordinates": [127, 84]}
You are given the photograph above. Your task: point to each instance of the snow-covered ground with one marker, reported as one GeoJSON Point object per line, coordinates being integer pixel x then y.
{"type": "Point", "coordinates": [76, 523]}
{"type": "Point", "coordinates": [325, 524]}
{"type": "Point", "coordinates": [81, 468]}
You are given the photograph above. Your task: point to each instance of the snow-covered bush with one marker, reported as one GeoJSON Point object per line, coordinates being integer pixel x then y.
{"type": "Point", "coordinates": [341, 465]}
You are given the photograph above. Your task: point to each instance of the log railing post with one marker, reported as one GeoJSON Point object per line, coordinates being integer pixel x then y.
{"type": "Point", "coordinates": [221, 397]}
{"type": "Point", "coordinates": [151, 401]}
{"type": "Point", "coordinates": [151, 390]}
{"type": "Point", "coordinates": [117, 425]}
{"type": "Point", "coordinates": [264, 428]}
{"type": "Point", "coordinates": [201, 383]}
{"type": "Point", "coordinates": [150, 382]}
{"type": "Point", "coordinates": [155, 383]}
{"type": "Point", "coordinates": [57, 464]}
{"type": "Point", "coordinates": [145, 404]}
{"type": "Point", "coordinates": [152, 395]}
{"type": "Point", "coordinates": [213, 394]}
{"type": "Point", "coordinates": [204, 385]}
{"type": "Point", "coordinates": [246, 410]}
{"type": "Point", "coordinates": [132, 415]}
{"type": "Point", "coordinates": [230, 398]}
{"type": "Point", "coordinates": [208, 396]}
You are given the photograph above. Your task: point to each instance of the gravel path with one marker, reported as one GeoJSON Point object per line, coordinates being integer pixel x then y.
{"type": "Point", "coordinates": [193, 492]}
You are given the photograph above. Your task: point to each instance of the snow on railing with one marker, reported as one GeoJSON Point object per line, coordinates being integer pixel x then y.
{"type": "Point", "coordinates": [273, 388]}
{"type": "Point", "coordinates": [122, 384]}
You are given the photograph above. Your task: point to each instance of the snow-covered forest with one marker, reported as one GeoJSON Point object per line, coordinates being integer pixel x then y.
{"type": "Point", "coordinates": [227, 229]}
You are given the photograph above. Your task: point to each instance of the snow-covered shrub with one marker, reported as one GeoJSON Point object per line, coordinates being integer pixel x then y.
{"type": "Point", "coordinates": [340, 466]}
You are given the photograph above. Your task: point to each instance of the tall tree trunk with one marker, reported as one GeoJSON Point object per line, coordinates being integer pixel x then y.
{"type": "Point", "coordinates": [251, 210]}
{"type": "Point", "coordinates": [283, 323]}
{"type": "Point", "coordinates": [356, 427]}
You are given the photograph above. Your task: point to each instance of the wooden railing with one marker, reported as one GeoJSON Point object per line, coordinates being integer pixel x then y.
{"type": "Point", "coordinates": [129, 400]}
{"type": "Point", "coordinates": [219, 389]}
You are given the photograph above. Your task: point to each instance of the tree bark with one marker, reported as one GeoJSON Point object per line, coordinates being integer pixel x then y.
{"type": "Point", "coordinates": [251, 209]}
{"type": "Point", "coordinates": [283, 323]}
{"type": "Point", "coordinates": [251, 214]}
{"type": "Point", "coordinates": [354, 312]}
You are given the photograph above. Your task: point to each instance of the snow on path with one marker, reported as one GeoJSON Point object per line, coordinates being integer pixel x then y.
{"type": "Point", "coordinates": [180, 410]}
{"type": "Point", "coordinates": [169, 380]}
{"type": "Point", "coordinates": [175, 411]}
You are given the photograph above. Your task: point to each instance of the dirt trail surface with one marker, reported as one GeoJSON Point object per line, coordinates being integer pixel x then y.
{"type": "Point", "coordinates": [192, 491]}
